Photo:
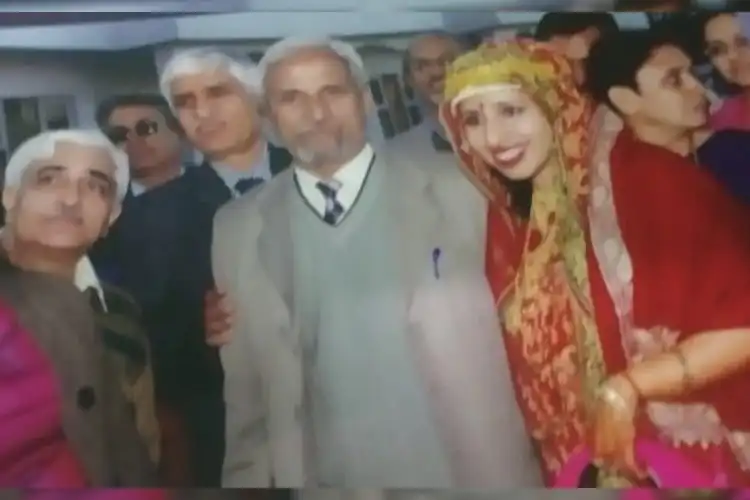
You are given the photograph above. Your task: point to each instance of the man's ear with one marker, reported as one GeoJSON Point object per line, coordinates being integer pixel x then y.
{"type": "Point", "coordinates": [625, 99]}
{"type": "Point", "coordinates": [10, 197]}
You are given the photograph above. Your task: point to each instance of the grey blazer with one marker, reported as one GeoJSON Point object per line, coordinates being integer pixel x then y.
{"type": "Point", "coordinates": [263, 364]}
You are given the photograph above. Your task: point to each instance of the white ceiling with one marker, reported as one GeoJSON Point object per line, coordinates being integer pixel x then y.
{"type": "Point", "coordinates": [107, 25]}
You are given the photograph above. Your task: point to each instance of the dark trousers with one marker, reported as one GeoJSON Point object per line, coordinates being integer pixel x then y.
{"type": "Point", "coordinates": [204, 418]}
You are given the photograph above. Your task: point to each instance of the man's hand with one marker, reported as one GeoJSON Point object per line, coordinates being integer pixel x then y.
{"type": "Point", "coordinates": [218, 316]}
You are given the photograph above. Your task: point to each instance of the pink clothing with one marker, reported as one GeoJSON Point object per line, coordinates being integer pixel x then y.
{"type": "Point", "coordinates": [734, 113]}
{"type": "Point", "coordinates": [34, 452]}
{"type": "Point", "coordinates": [124, 494]}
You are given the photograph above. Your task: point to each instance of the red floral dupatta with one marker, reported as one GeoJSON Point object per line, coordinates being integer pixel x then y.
{"type": "Point", "coordinates": [537, 267]}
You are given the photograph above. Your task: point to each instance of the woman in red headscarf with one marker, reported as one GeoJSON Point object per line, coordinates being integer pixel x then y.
{"type": "Point", "coordinates": [633, 331]}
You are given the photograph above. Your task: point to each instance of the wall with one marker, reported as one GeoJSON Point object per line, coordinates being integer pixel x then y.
{"type": "Point", "coordinates": [379, 56]}
{"type": "Point", "coordinates": [123, 73]}
{"type": "Point", "coordinates": [86, 77]}
{"type": "Point", "coordinates": [42, 74]}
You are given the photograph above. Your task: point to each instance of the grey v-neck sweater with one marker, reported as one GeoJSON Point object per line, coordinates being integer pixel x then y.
{"type": "Point", "coordinates": [369, 413]}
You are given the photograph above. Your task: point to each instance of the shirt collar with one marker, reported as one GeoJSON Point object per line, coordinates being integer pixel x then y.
{"type": "Point", "coordinates": [351, 178]}
{"type": "Point", "coordinates": [137, 189]}
{"type": "Point", "coordinates": [351, 174]}
{"type": "Point", "coordinates": [260, 169]}
{"type": "Point", "coordinates": [231, 176]}
{"type": "Point", "coordinates": [85, 278]}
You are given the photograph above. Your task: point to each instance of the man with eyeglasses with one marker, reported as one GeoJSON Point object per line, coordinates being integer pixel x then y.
{"type": "Point", "coordinates": [144, 125]}
{"type": "Point", "coordinates": [139, 253]}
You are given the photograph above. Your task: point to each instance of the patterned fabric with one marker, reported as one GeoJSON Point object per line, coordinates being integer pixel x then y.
{"type": "Point", "coordinates": [537, 267]}
{"type": "Point", "coordinates": [334, 209]}
{"type": "Point", "coordinates": [672, 268]}
{"type": "Point", "coordinates": [127, 346]}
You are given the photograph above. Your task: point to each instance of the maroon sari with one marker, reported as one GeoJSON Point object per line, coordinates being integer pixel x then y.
{"type": "Point", "coordinates": [688, 246]}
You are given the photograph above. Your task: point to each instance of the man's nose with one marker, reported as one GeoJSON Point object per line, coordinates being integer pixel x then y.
{"type": "Point", "coordinates": [437, 70]}
{"type": "Point", "coordinates": [317, 109]}
{"type": "Point", "coordinates": [202, 109]}
{"type": "Point", "coordinates": [497, 134]}
{"type": "Point", "coordinates": [71, 194]}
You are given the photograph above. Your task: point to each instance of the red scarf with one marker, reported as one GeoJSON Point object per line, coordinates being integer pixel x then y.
{"type": "Point", "coordinates": [689, 242]}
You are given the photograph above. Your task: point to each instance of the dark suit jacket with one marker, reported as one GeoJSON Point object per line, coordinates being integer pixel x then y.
{"type": "Point", "coordinates": [96, 415]}
{"type": "Point", "coordinates": [161, 250]}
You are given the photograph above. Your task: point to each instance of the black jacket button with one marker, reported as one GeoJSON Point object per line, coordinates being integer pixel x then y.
{"type": "Point", "coordinates": [86, 398]}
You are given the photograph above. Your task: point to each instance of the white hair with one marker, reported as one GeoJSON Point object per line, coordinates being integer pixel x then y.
{"type": "Point", "coordinates": [203, 60]}
{"type": "Point", "coordinates": [288, 46]}
{"type": "Point", "coordinates": [42, 146]}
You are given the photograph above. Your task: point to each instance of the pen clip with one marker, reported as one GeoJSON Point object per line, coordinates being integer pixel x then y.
{"type": "Point", "coordinates": [436, 262]}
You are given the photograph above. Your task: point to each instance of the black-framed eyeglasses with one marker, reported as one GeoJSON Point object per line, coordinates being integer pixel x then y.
{"type": "Point", "coordinates": [142, 128]}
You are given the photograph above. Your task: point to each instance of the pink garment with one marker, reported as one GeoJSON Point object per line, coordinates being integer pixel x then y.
{"type": "Point", "coordinates": [734, 113]}
{"type": "Point", "coordinates": [125, 494]}
{"type": "Point", "coordinates": [641, 494]}
{"type": "Point", "coordinates": [666, 466]}
{"type": "Point", "coordinates": [34, 452]}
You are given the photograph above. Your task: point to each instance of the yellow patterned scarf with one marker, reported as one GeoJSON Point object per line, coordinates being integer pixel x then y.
{"type": "Point", "coordinates": [523, 254]}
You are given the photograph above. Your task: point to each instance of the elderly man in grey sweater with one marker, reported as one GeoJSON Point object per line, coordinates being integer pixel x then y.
{"type": "Point", "coordinates": [364, 350]}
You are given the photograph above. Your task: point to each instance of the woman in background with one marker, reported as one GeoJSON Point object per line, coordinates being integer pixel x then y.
{"type": "Point", "coordinates": [583, 380]}
{"type": "Point", "coordinates": [727, 47]}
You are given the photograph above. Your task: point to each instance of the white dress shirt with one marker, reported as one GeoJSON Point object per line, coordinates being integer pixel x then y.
{"type": "Point", "coordinates": [261, 170]}
{"type": "Point", "coordinates": [351, 178]}
{"type": "Point", "coordinates": [85, 278]}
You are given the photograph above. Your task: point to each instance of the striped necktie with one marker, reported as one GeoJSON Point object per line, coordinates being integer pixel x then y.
{"type": "Point", "coordinates": [334, 209]}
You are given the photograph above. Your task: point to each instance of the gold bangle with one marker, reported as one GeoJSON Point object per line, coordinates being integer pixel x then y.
{"type": "Point", "coordinates": [612, 397]}
{"type": "Point", "coordinates": [636, 389]}
{"type": "Point", "coordinates": [687, 377]}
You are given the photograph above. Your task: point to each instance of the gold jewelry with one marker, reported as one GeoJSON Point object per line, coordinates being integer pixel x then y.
{"type": "Point", "coordinates": [687, 377]}
{"type": "Point", "coordinates": [612, 397]}
{"type": "Point", "coordinates": [636, 390]}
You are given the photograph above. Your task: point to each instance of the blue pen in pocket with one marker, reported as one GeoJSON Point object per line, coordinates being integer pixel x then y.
{"type": "Point", "coordinates": [436, 263]}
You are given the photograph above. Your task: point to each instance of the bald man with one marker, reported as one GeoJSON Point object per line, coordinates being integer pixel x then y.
{"type": "Point", "coordinates": [424, 67]}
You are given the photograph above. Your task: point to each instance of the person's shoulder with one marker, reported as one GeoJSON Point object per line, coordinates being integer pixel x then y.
{"type": "Point", "coordinates": [415, 139]}
{"type": "Point", "coordinates": [731, 137]}
{"type": "Point", "coordinates": [196, 176]}
{"type": "Point", "coordinates": [250, 202]}
{"type": "Point", "coordinates": [423, 157]}
{"type": "Point", "coordinates": [120, 301]}
{"type": "Point", "coordinates": [280, 158]}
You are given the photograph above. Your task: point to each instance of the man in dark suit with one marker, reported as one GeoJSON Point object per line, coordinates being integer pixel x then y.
{"type": "Point", "coordinates": [213, 97]}
{"type": "Point", "coordinates": [62, 190]}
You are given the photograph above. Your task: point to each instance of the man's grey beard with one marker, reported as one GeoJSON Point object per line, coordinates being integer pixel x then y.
{"type": "Point", "coordinates": [315, 159]}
